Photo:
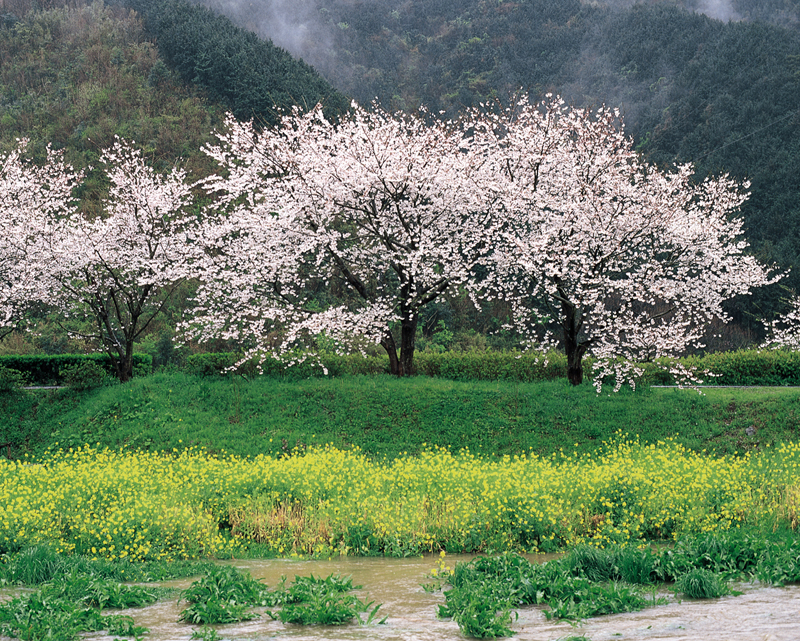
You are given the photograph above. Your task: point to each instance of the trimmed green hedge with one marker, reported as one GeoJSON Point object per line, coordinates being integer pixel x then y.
{"type": "Point", "coordinates": [744, 367]}
{"type": "Point", "coordinates": [751, 367]}
{"type": "Point", "coordinates": [483, 366]}
{"type": "Point", "coordinates": [214, 364]}
{"type": "Point", "coordinates": [461, 366]}
{"type": "Point", "coordinates": [48, 369]}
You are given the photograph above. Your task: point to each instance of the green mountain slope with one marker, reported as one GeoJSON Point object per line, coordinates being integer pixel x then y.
{"type": "Point", "coordinates": [75, 78]}
{"type": "Point", "coordinates": [251, 76]}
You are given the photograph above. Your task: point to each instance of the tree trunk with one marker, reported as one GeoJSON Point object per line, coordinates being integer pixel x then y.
{"type": "Point", "coordinates": [572, 346]}
{"type": "Point", "coordinates": [123, 364]}
{"type": "Point", "coordinates": [404, 364]}
{"type": "Point", "coordinates": [408, 334]}
{"type": "Point", "coordinates": [391, 349]}
{"type": "Point", "coordinates": [575, 354]}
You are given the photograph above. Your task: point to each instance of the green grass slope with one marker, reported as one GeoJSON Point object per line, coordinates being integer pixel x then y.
{"type": "Point", "coordinates": [388, 417]}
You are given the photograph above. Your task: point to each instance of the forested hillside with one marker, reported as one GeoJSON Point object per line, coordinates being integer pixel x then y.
{"type": "Point", "coordinates": [76, 76]}
{"type": "Point", "coordinates": [251, 76]}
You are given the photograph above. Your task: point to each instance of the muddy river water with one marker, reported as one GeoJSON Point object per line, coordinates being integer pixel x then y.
{"type": "Point", "coordinates": [760, 614]}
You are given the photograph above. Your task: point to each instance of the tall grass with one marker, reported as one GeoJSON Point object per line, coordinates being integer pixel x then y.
{"type": "Point", "coordinates": [586, 581]}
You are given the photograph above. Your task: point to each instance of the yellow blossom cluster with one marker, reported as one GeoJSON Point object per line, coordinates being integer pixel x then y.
{"type": "Point", "coordinates": [188, 504]}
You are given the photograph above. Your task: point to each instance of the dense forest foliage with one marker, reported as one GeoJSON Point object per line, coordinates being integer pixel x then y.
{"type": "Point", "coordinates": [251, 76]}
{"type": "Point", "coordinates": [75, 78]}
{"type": "Point", "coordinates": [74, 75]}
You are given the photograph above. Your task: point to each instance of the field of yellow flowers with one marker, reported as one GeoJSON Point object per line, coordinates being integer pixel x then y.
{"type": "Point", "coordinates": [190, 504]}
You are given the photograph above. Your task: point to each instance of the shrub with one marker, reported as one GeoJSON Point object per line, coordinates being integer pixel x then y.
{"type": "Point", "coordinates": [48, 369]}
{"type": "Point", "coordinates": [701, 584]}
{"type": "Point", "coordinates": [10, 379]}
{"type": "Point", "coordinates": [218, 364]}
{"type": "Point", "coordinates": [84, 375]}
{"type": "Point", "coordinates": [743, 367]}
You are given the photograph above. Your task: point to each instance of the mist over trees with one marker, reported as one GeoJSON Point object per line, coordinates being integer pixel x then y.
{"type": "Point", "coordinates": [253, 77]}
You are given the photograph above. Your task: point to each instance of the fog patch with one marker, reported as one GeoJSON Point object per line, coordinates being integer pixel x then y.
{"type": "Point", "coordinates": [718, 10]}
{"type": "Point", "coordinates": [295, 25]}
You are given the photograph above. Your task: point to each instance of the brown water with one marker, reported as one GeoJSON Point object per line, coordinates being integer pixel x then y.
{"type": "Point", "coordinates": [761, 614]}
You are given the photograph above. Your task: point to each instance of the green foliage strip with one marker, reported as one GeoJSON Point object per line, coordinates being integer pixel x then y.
{"type": "Point", "coordinates": [589, 581]}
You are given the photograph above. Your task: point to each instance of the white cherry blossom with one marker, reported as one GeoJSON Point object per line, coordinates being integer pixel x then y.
{"type": "Point", "coordinates": [602, 253]}
{"type": "Point", "coordinates": [31, 198]}
{"type": "Point", "coordinates": [119, 270]}
{"type": "Point", "coordinates": [387, 211]}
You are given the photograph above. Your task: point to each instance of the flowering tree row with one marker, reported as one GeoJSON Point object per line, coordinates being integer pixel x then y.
{"type": "Point", "coordinates": [546, 207]}
{"type": "Point", "coordinates": [116, 271]}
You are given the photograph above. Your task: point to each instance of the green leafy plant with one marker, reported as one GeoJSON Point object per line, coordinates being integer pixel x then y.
{"type": "Point", "coordinates": [323, 601]}
{"type": "Point", "coordinates": [61, 610]}
{"type": "Point", "coordinates": [224, 595]}
{"type": "Point", "coordinates": [586, 599]}
{"type": "Point", "coordinates": [11, 379]}
{"type": "Point", "coordinates": [40, 564]}
{"type": "Point", "coordinates": [596, 564]}
{"type": "Point", "coordinates": [635, 565]}
{"type": "Point", "coordinates": [217, 612]}
{"type": "Point", "coordinates": [84, 375]}
{"type": "Point", "coordinates": [700, 583]}
{"type": "Point", "coordinates": [486, 590]}
{"type": "Point", "coordinates": [206, 634]}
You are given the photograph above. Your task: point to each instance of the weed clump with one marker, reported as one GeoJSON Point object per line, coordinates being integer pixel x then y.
{"type": "Point", "coordinates": [701, 584]}
{"type": "Point", "coordinates": [62, 610]}
{"type": "Point", "coordinates": [484, 593]}
{"type": "Point", "coordinates": [42, 563]}
{"type": "Point", "coordinates": [226, 595]}
{"type": "Point", "coordinates": [314, 600]}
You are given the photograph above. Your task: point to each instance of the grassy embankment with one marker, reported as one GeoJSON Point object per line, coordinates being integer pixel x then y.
{"type": "Point", "coordinates": [385, 417]}
{"type": "Point", "coordinates": [373, 465]}
{"type": "Point", "coordinates": [355, 465]}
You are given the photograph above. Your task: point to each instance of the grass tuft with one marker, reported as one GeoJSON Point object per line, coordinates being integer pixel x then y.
{"type": "Point", "coordinates": [700, 583]}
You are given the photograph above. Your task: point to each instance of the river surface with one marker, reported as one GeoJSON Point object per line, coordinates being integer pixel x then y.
{"type": "Point", "coordinates": [761, 614]}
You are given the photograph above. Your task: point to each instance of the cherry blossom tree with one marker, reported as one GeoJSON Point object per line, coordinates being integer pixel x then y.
{"type": "Point", "coordinates": [784, 332]}
{"type": "Point", "coordinates": [31, 196]}
{"type": "Point", "coordinates": [603, 253]}
{"type": "Point", "coordinates": [120, 269]}
{"type": "Point", "coordinates": [388, 211]}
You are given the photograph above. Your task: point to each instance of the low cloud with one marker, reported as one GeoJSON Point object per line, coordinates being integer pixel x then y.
{"type": "Point", "coordinates": [718, 9]}
{"type": "Point", "coordinates": [295, 25]}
